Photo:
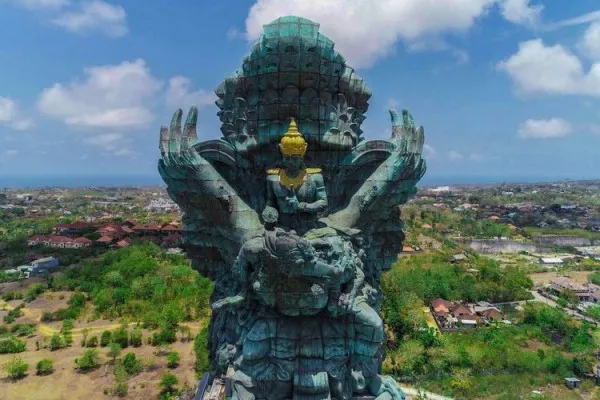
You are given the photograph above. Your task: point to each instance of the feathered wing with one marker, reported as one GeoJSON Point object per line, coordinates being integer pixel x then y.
{"type": "Point", "coordinates": [216, 218]}
{"type": "Point", "coordinates": [394, 169]}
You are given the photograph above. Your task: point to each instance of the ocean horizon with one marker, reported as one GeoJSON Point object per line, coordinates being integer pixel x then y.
{"type": "Point", "coordinates": [74, 181]}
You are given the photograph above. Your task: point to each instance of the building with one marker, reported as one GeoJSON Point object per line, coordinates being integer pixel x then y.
{"type": "Point", "coordinates": [583, 292]}
{"type": "Point", "coordinates": [551, 261]}
{"type": "Point", "coordinates": [75, 229]}
{"type": "Point", "coordinates": [44, 265]}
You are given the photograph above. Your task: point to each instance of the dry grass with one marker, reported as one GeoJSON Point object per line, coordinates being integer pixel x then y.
{"type": "Point", "coordinates": [544, 278]}
{"type": "Point", "coordinates": [66, 382]}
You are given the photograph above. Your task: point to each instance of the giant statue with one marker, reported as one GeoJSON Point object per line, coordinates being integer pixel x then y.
{"type": "Point", "coordinates": [295, 216]}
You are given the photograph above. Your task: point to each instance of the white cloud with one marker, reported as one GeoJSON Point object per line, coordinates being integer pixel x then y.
{"type": "Point", "coordinates": [10, 115]}
{"type": "Point", "coordinates": [112, 96]}
{"type": "Point", "coordinates": [455, 155]}
{"type": "Point", "coordinates": [544, 128]}
{"type": "Point", "coordinates": [8, 109]}
{"type": "Point", "coordinates": [521, 12]}
{"type": "Point", "coordinates": [476, 157]}
{"type": "Point", "coordinates": [392, 104]}
{"type": "Point", "coordinates": [364, 32]}
{"type": "Point", "coordinates": [22, 124]}
{"type": "Point", "coordinates": [43, 4]}
{"type": "Point", "coordinates": [233, 33]}
{"type": "Point", "coordinates": [11, 152]}
{"type": "Point", "coordinates": [112, 143]}
{"type": "Point", "coordinates": [590, 42]}
{"type": "Point", "coordinates": [107, 141]}
{"type": "Point", "coordinates": [179, 94]}
{"type": "Point", "coordinates": [429, 151]}
{"type": "Point", "coordinates": [537, 68]}
{"type": "Point", "coordinates": [94, 15]}
{"type": "Point", "coordinates": [579, 20]}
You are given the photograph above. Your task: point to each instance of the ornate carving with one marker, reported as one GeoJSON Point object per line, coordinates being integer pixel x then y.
{"type": "Point", "coordinates": [296, 239]}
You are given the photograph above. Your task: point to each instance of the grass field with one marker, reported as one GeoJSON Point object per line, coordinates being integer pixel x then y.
{"type": "Point", "coordinates": [66, 382]}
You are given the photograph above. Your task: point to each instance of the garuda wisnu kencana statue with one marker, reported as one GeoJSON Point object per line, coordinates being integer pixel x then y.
{"type": "Point", "coordinates": [295, 216]}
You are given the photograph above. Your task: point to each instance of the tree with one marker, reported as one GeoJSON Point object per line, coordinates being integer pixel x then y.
{"type": "Point", "coordinates": [105, 339]}
{"type": "Point", "coordinates": [121, 337]}
{"type": "Point", "coordinates": [16, 368]}
{"type": "Point", "coordinates": [173, 359]}
{"type": "Point", "coordinates": [89, 360]}
{"type": "Point", "coordinates": [135, 338]}
{"type": "Point", "coordinates": [114, 351]}
{"type": "Point", "coordinates": [92, 342]}
{"type": "Point", "coordinates": [131, 364]}
{"type": "Point", "coordinates": [57, 342]}
{"type": "Point", "coordinates": [45, 366]}
{"type": "Point", "coordinates": [85, 332]}
{"type": "Point", "coordinates": [167, 382]}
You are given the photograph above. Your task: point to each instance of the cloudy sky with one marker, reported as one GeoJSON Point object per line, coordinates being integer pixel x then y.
{"type": "Point", "coordinates": [505, 88]}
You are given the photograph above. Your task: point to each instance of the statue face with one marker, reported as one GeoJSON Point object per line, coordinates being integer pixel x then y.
{"type": "Point", "coordinates": [293, 163]}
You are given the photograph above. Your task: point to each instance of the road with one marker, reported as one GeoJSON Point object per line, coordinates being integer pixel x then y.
{"type": "Point", "coordinates": [552, 303]}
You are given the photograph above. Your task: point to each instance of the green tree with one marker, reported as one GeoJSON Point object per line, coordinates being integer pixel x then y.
{"type": "Point", "coordinates": [173, 359]}
{"type": "Point", "coordinates": [45, 367]}
{"type": "Point", "coordinates": [135, 338]}
{"type": "Point", "coordinates": [121, 337]}
{"type": "Point", "coordinates": [57, 342]}
{"type": "Point", "coordinates": [114, 350]}
{"type": "Point", "coordinates": [168, 382]}
{"type": "Point", "coordinates": [131, 364]}
{"type": "Point", "coordinates": [92, 342]}
{"type": "Point", "coordinates": [16, 368]}
{"type": "Point", "coordinates": [105, 339]}
{"type": "Point", "coordinates": [84, 335]}
{"type": "Point", "coordinates": [89, 360]}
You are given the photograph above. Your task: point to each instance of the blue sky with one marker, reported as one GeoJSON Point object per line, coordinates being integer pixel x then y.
{"type": "Point", "coordinates": [506, 89]}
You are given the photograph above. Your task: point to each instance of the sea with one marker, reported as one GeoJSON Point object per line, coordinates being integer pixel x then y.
{"type": "Point", "coordinates": [74, 181]}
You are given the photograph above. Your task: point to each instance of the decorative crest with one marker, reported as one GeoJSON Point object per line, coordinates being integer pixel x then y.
{"type": "Point", "coordinates": [293, 143]}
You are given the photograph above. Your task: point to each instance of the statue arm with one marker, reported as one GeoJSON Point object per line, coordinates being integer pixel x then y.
{"type": "Point", "coordinates": [320, 205]}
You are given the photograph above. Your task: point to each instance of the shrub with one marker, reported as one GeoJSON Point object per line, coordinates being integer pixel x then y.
{"type": "Point", "coordinates": [47, 316]}
{"type": "Point", "coordinates": [57, 342]}
{"type": "Point", "coordinates": [167, 382]}
{"type": "Point", "coordinates": [105, 339]}
{"type": "Point", "coordinates": [120, 336]}
{"type": "Point", "coordinates": [173, 359]}
{"type": "Point", "coordinates": [45, 367]}
{"type": "Point", "coordinates": [114, 351]}
{"type": "Point", "coordinates": [16, 368]}
{"type": "Point", "coordinates": [135, 339]}
{"type": "Point", "coordinates": [88, 361]}
{"type": "Point", "coordinates": [131, 364]}
{"type": "Point", "coordinates": [23, 329]}
{"type": "Point", "coordinates": [92, 342]}
{"type": "Point", "coordinates": [121, 390]}
{"type": "Point", "coordinates": [201, 351]}
{"type": "Point", "coordinates": [12, 345]}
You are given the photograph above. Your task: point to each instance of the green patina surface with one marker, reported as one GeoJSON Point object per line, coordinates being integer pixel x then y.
{"type": "Point", "coordinates": [297, 268]}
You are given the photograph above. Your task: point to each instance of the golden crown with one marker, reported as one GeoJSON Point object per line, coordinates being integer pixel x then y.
{"type": "Point", "coordinates": [292, 143]}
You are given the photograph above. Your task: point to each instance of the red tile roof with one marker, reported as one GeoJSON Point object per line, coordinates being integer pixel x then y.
{"type": "Point", "coordinates": [83, 240]}
{"type": "Point", "coordinates": [105, 239]}
{"type": "Point", "coordinates": [60, 239]}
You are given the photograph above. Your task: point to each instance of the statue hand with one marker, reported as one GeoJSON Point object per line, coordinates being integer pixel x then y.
{"type": "Point", "coordinates": [292, 202]}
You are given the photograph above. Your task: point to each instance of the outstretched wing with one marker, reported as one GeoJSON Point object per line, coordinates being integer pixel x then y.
{"type": "Point", "coordinates": [216, 219]}
{"type": "Point", "coordinates": [391, 183]}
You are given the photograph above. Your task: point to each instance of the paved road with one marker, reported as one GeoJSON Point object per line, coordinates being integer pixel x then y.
{"type": "Point", "coordinates": [552, 303]}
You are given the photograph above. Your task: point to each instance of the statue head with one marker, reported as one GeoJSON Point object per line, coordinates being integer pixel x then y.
{"type": "Point", "coordinates": [293, 148]}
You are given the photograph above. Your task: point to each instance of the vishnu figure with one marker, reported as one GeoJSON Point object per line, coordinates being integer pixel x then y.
{"type": "Point", "coordinates": [296, 196]}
